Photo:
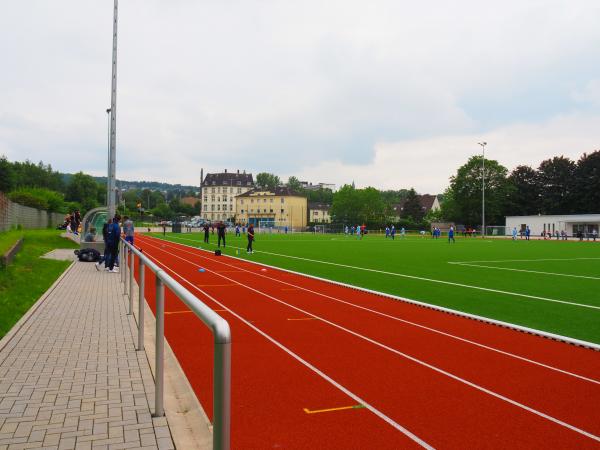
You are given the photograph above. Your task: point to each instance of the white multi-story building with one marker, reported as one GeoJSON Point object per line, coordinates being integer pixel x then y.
{"type": "Point", "coordinates": [218, 192]}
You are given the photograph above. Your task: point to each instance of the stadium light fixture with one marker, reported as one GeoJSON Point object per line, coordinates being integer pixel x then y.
{"type": "Point", "coordinates": [483, 144]}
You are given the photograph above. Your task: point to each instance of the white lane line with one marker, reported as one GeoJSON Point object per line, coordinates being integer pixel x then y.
{"type": "Point", "coordinates": [527, 271]}
{"type": "Point", "coordinates": [432, 280]}
{"type": "Point", "coordinates": [406, 356]}
{"type": "Point", "coordinates": [433, 330]}
{"type": "Point", "coordinates": [327, 378]}
{"type": "Point", "coordinates": [517, 260]}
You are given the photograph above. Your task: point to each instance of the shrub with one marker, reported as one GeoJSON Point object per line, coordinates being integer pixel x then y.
{"type": "Point", "coordinates": [39, 198]}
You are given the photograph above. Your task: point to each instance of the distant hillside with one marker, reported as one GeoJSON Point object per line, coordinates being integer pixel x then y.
{"type": "Point", "coordinates": [152, 185]}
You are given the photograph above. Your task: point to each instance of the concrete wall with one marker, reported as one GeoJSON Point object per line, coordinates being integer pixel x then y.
{"type": "Point", "coordinates": [13, 214]}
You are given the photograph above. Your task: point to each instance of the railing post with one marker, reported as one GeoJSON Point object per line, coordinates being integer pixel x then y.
{"type": "Point", "coordinates": [141, 285]}
{"type": "Point", "coordinates": [121, 255]}
{"type": "Point", "coordinates": [124, 266]}
{"type": "Point", "coordinates": [160, 347]}
{"type": "Point", "coordinates": [222, 397]}
{"type": "Point", "coordinates": [131, 270]}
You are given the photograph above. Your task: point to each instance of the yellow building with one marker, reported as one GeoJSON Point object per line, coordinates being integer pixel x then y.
{"type": "Point", "coordinates": [279, 207]}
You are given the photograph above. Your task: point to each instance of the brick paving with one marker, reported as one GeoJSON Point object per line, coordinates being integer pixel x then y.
{"type": "Point", "coordinates": [70, 377]}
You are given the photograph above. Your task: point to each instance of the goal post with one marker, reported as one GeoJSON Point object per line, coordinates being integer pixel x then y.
{"type": "Point", "coordinates": [497, 230]}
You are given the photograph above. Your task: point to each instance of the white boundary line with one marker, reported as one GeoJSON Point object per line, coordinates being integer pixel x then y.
{"type": "Point", "coordinates": [327, 378]}
{"type": "Point", "coordinates": [512, 355]}
{"type": "Point", "coordinates": [520, 260]}
{"type": "Point", "coordinates": [545, 334]}
{"type": "Point", "coordinates": [399, 353]}
{"type": "Point", "coordinates": [528, 271]}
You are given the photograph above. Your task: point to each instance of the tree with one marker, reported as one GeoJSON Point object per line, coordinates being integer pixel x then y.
{"type": "Point", "coordinates": [293, 183]}
{"type": "Point", "coordinates": [465, 192]}
{"type": "Point", "coordinates": [7, 175]}
{"type": "Point", "coordinates": [557, 185]}
{"type": "Point", "coordinates": [412, 207]}
{"type": "Point", "coordinates": [267, 180]}
{"type": "Point", "coordinates": [345, 206]}
{"type": "Point", "coordinates": [587, 183]}
{"type": "Point", "coordinates": [83, 189]}
{"type": "Point", "coordinates": [319, 195]}
{"type": "Point", "coordinates": [524, 197]}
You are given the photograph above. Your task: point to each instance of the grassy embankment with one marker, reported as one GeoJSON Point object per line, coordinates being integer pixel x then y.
{"type": "Point", "coordinates": [29, 276]}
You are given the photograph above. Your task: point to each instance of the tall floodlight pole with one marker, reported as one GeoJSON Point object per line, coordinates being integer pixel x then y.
{"type": "Point", "coordinates": [483, 144]}
{"type": "Point", "coordinates": [113, 122]}
{"type": "Point", "coordinates": [107, 154]}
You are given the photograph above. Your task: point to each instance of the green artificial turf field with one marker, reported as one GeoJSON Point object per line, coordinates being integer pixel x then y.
{"type": "Point", "coordinates": [547, 285]}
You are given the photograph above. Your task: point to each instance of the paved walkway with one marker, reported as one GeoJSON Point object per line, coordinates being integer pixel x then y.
{"type": "Point", "coordinates": [69, 373]}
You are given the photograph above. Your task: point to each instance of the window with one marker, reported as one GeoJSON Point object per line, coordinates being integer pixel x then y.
{"type": "Point", "coordinates": [206, 198]}
{"type": "Point", "coordinates": [212, 207]}
{"type": "Point", "coordinates": [205, 207]}
{"type": "Point", "coordinates": [251, 209]}
{"type": "Point", "coordinates": [239, 190]}
{"type": "Point", "coordinates": [230, 207]}
{"type": "Point", "coordinates": [231, 190]}
{"type": "Point", "coordinates": [213, 190]}
{"type": "Point", "coordinates": [219, 199]}
{"type": "Point", "coordinates": [282, 200]}
{"type": "Point", "coordinates": [271, 210]}
{"type": "Point", "coordinates": [212, 198]}
{"type": "Point", "coordinates": [282, 211]}
{"type": "Point", "coordinates": [225, 198]}
{"type": "Point", "coordinates": [251, 200]}
{"type": "Point", "coordinates": [271, 200]}
{"type": "Point", "coordinates": [218, 207]}
{"type": "Point", "coordinates": [264, 200]}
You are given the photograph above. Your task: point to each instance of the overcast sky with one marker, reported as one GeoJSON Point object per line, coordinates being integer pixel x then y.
{"type": "Point", "coordinates": [391, 94]}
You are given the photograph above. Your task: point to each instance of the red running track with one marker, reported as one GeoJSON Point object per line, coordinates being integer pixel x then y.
{"type": "Point", "coordinates": [302, 348]}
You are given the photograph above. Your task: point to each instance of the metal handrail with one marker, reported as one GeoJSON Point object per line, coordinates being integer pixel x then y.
{"type": "Point", "coordinates": [219, 327]}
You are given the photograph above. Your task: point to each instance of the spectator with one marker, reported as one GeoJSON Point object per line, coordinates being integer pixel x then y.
{"type": "Point", "coordinates": [90, 236]}
{"type": "Point", "coordinates": [128, 229]}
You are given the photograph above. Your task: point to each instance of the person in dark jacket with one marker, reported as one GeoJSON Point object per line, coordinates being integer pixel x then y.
{"type": "Point", "coordinates": [113, 237]}
{"type": "Point", "coordinates": [250, 238]}
{"type": "Point", "coordinates": [221, 227]}
{"type": "Point", "coordinates": [103, 259]}
{"type": "Point", "coordinates": [206, 229]}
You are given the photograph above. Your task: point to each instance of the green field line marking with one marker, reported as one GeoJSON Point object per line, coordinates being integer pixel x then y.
{"type": "Point", "coordinates": [525, 270]}
{"type": "Point", "coordinates": [414, 277]}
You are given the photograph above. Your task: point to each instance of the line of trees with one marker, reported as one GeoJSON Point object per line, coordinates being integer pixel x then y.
{"type": "Point", "coordinates": [559, 185]}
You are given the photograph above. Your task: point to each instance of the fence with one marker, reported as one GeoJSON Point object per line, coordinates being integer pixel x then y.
{"type": "Point", "coordinates": [219, 327]}
{"type": "Point", "coordinates": [12, 214]}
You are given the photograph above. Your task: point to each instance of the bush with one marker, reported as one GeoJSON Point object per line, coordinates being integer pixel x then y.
{"type": "Point", "coordinates": [39, 198]}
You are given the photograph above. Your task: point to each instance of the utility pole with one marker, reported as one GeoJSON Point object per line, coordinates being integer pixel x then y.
{"type": "Point", "coordinates": [113, 122]}
{"type": "Point", "coordinates": [483, 144]}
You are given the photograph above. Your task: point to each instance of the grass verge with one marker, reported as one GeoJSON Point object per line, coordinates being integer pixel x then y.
{"type": "Point", "coordinates": [29, 276]}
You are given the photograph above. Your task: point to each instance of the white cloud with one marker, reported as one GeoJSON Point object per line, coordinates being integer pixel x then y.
{"type": "Point", "coordinates": [427, 164]}
{"type": "Point", "coordinates": [295, 87]}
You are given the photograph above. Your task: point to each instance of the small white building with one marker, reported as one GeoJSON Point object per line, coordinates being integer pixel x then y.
{"type": "Point", "coordinates": [571, 224]}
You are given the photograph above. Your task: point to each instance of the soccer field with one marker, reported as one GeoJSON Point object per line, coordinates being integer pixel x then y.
{"type": "Point", "coordinates": [552, 286]}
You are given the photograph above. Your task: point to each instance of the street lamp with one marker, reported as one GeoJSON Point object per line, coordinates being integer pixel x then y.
{"type": "Point", "coordinates": [483, 144]}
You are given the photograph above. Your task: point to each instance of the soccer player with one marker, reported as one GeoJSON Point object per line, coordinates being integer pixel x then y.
{"type": "Point", "coordinates": [128, 229]}
{"type": "Point", "coordinates": [393, 232]}
{"type": "Point", "coordinates": [527, 233]}
{"type": "Point", "coordinates": [451, 235]}
{"type": "Point", "coordinates": [402, 232]}
{"type": "Point", "coordinates": [514, 233]}
{"type": "Point", "coordinates": [387, 232]}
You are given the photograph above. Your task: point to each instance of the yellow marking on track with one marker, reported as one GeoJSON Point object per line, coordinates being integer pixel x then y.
{"type": "Point", "coordinates": [177, 312]}
{"type": "Point", "coordinates": [305, 318]}
{"type": "Point", "coordinates": [340, 408]}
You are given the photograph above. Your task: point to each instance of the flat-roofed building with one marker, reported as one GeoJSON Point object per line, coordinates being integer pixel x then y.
{"type": "Point", "coordinates": [279, 207]}
{"type": "Point", "coordinates": [218, 192]}
{"type": "Point", "coordinates": [572, 224]}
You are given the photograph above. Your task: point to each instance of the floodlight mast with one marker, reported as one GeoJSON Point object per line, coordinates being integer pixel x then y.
{"type": "Point", "coordinates": [111, 180]}
{"type": "Point", "coordinates": [483, 144]}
